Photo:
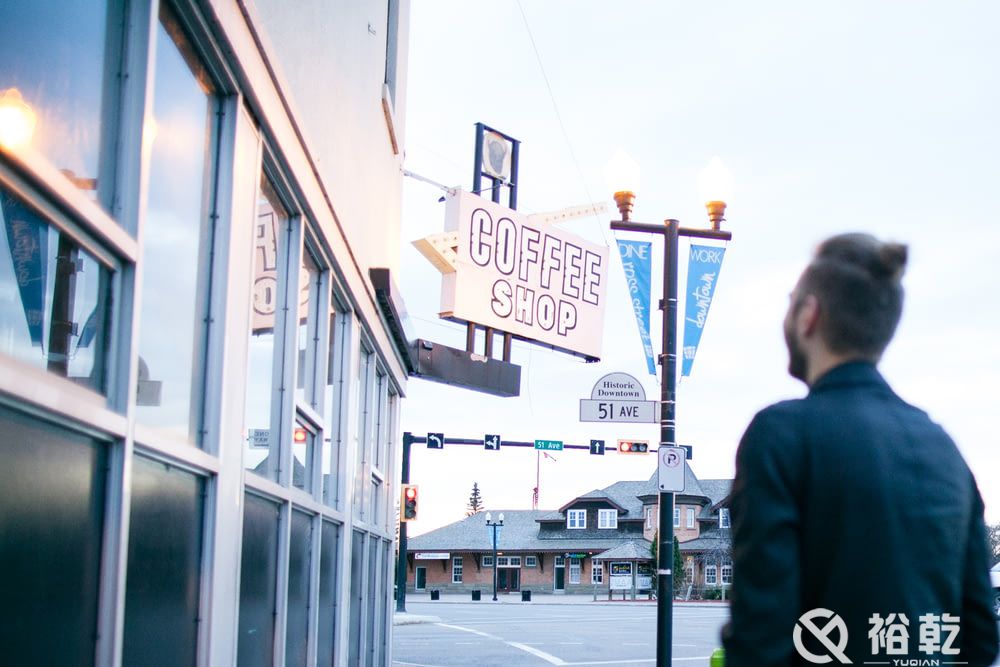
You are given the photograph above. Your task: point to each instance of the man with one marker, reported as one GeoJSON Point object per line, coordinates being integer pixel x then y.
{"type": "Point", "coordinates": [850, 500]}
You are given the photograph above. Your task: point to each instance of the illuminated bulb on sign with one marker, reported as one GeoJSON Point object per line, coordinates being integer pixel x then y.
{"type": "Point", "coordinates": [17, 119]}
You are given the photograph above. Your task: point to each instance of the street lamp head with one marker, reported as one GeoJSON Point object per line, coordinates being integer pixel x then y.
{"type": "Point", "coordinates": [501, 517]}
{"type": "Point", "coordinates": [17, 119]}
{"type": "Point", "coordinates": [622, 176]}
{"type": "Point", "coordinates": [716, 184]}
{"type": "Point", "coordinates": [489, 517]}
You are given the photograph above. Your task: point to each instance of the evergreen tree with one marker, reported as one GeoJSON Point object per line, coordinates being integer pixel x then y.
{"type": "Point", "coordinates": [475, 505]}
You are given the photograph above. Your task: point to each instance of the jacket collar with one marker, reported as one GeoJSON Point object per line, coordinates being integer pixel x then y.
{"type": "Point", "coordinates": [848, 374]}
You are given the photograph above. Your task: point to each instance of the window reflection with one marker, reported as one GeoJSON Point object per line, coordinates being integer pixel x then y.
{"type": "Point", "coordinates": [175, 239]}
{"type": "Point", "coordinates": [270, 232]}
{"type": "Point", "coordinates": [332, 404]}
{"type": "Point", "coordinates": [309, 283]}
{"type": "Point", "coordinates": [303, 446]}
{"type": "Point", "coordinates": [59, 57]}
{"type": "Point", "coordinates": [54, 297]}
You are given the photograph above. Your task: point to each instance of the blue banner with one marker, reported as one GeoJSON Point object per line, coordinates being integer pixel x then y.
{"type": "Point", "coordinates": [27, 237]}
{"type": "Point", "coordinates": [637, 262]}
{"type": "Point", "coordinates": [704, 264]}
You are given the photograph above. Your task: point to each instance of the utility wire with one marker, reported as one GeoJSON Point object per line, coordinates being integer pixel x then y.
{"type": "Point", "coordinates": [562, 126]}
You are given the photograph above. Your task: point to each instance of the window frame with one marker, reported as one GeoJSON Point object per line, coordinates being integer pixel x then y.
{"type": "Point", "coordinates": [457, 567]}
{"type": "Point", "coordinates": [531, 561]}
{"type": "Point", "coordinates": [690, 522]}
{"type": "Point", "coordinates": [724, 575]}
{"type": "Point", "coordinates": [487, 561]}
{"type": "Point", "coordinates": [607, 519]}
{"type": "Point", "coordinates": [677, 517]}
{"type": "Point", "coordinates": [711, 572]}
{"type": "Point", "coordinates": [576, 519]}
{"type": "Point", "coordinates": [724, 519]}
{"type": "Point", "coordinates": [575, 574]}
{"type": "Point", "coordinates": [596, 572]}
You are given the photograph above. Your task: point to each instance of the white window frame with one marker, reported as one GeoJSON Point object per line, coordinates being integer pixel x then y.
{"type": "Point", "coordinates": [677, 517]}
{"type": "Point", "coordinates": [690, 517]}
{"type": "Point", "coordinates": [727, 573]}
{"type": "Point", "coordinates": [575, 571]}
{"type": "Point", "coordinates": [456, 570]}
{"type": "Point", "coordinates": [607, 519]}
{"type": "Point", "coordinates": [596, 572]}
{"type": "Point", "coordinates": [514, 561]}
{"type": "Point", "coordinates": [576, 519]}
{"type": "Point", "coordinates": [724, 518]}
{"type": "Point", "coordinates": [649, 518]}
{"type": "Point", "coordinates": [487, 561]}
{"type": "Point", "coordinates": [711, 575]}
{"type": "Point", "coordinates": [531, 561]}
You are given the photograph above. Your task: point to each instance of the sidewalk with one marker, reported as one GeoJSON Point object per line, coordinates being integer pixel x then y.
{"type": "Point", "coordinates": [406, 618]}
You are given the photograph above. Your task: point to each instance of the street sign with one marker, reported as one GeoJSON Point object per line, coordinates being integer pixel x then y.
{"type": "Point", "coordinates": [435, 441]}
{"type": "Point", "coordinates": [550, 445]}
{"type": "Point", "coordinates": [260, 438]}
{"type": "Point", "coordinates": [597, 447]}
{"type": "Point", "coordinates": [491, 442]}
{"type": "Point", "coordinates": [670, 470]}
{"type": "Point", "coordinates": [618, 397]}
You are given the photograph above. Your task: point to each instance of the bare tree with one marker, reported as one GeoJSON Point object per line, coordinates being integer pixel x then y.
{"type": "Point", "coordinates": [993, 538]}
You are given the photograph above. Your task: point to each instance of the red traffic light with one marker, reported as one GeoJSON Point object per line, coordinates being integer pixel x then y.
{"type": "Point", "coordinates": [632, 447]}
{"type": "Point", "coordinates": [408, 504]}
{"type": "Point", "coordinates": [299, 435]}
{"type": "Point", "coordinates": [410, 493]}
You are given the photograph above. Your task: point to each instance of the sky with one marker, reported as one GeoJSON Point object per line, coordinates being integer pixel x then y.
{"type": "Point", "coordinates": [831, 117]}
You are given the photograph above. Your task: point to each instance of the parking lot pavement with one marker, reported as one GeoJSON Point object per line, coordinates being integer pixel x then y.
{"type": "Point", "coordinates": [511, 635]}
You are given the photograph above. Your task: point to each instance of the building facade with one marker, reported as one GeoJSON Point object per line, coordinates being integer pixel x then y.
{"type": "Point", "coordinates": [599, 542]}
{"type": "Point", "coordinates": [198, 389]}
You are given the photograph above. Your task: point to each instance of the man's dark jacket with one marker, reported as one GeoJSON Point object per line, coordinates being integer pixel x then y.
{"type": "Point", "coordinates": [854, 501]}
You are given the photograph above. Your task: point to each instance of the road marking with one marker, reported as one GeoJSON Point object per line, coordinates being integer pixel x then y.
{"type": "Point", "coordinates": [551, 659]}
{"type": "Point", "coordinates": [570, 643]}
{"type": "Point", "coordinates": [475, 632]}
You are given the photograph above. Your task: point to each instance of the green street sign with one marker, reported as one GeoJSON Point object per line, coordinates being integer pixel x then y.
{"type": "Point", "coordinates": [551, 445]}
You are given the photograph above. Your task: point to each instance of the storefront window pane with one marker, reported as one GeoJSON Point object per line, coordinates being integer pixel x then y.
{"type": "Point", "coordinates": [297, 627]}
{"type": "Point", "coordinates": [309, 282]}
{"type": "Point", "coordinates": [58, 58]}
{"type": "Point", "coordinates": [258, 576]}
{"type": "Point", "coordinates": [332, 405]}
{"type": "Point", "coordinates": [175, 239]}
{"type": "Point", "coordinates": [327, 630]}
{"type": "Point", "coordinates": [52, 488]}
{"type": "Point", "coordinates": [164, 566]}
{"type": "Point", "coordinates": [270, 233]}
{"type": "Point", "coordinates": [54, 297]}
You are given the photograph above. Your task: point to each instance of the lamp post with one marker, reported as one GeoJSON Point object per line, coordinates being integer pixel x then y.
{"type": "Point", "coordinates": [713, 178]}
{"type": "Point", "coordinates": [494, 525]}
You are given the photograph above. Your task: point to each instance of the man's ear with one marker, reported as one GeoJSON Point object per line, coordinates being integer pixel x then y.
{"type": "Point", "coordinates": [808, 316]}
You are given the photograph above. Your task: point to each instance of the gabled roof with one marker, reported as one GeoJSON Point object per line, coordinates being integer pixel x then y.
{"type": "Point", "coordinates": [631, 550]}
{"type": "Point", "coordinates": [598, 496]}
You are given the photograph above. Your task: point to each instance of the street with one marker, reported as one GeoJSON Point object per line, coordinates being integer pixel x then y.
{"type": "Point", "coordinates": [506, 635]}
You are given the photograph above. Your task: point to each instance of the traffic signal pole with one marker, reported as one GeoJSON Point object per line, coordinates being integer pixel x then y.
{"type": "Point", "coordinates": [401, 564]}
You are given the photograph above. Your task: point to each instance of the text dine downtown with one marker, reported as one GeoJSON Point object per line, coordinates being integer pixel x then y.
{"type": "Point", "coordinates": [535, 264]}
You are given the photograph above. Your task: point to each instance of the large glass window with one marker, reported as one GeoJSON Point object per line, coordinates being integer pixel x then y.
{"type": "Point", "coordinates": [297, 625]}
{"type": "Point", "coordinates": [54, 297]}
{"type": "Point", "coordinates": [607, 519]}
{"type": "Point", "coordinates": [164, 565]}
{"type": "Point", "coordinates": [60, 64]}
{"type": "Point", "coordinates": [456, 570]}
{"type": "Point", "coordinates": [310, 282]}
{"type": "Point", "coordinates": [175, 238]}
{"type": "Point", "coordinates": [690, 517]}
{"type": "Point", "coordinates": [357, 597]}
{"type": "Point", "coordinates": [258, 576]}
{"type": "Point", "coordinates": [52, 488]}
{"type": "Point", "coordinates": [270, 234]}
{"type": "Point", "coordinates": [574, 570]}
{"type": "Point", "coordinates": [332, 407]}
{"type": "Point", "coordinates": [327, 630]}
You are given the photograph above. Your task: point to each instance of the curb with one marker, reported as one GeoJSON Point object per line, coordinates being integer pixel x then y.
{"type": "Point", "coordinates": [412, 619]}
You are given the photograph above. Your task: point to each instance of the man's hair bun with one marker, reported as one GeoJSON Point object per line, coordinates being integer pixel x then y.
{"type": "Point", "coordinates": [892, 259]}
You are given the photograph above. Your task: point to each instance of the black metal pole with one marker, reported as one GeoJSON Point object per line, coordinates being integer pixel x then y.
{"type": "Point", "coordinates": [401, 564]}
{"type": "Point", "coordinates": [668, 388]}
{"type": "Point", "coordinates": [494, 527]}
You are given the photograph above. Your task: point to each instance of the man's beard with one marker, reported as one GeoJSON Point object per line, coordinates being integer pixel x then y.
{"type": "Point", "coordinates": [797, 362]}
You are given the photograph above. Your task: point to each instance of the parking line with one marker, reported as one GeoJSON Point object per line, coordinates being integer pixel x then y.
{"type": "Point", "coordinates": [551, 659]}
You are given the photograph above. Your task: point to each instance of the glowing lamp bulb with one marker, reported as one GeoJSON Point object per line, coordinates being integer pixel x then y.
{"type": "Point", "coordinates": [624, 447]}
{"type": "Point", "coordinates": [17, 119]}
{"type": "Point", "coordinates": [300, 435]}
{"type": "Point", "coordinates": [622, 173]}
{"type": "Point", "coordinates": [411, 493]}
{"type": "Point", "coordinates": [715, 182]}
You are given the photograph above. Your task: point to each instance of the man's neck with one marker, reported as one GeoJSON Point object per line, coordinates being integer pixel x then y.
{"type": "Point", "coordinates": [825, 361]}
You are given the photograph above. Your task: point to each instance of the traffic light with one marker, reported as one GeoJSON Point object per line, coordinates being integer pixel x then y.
{"type": "Point", "coordinates": [408, 503]}
{"type": "Point", "coordinates": [632, 447]}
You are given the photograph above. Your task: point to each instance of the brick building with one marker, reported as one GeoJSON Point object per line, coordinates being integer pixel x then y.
{"type": "Point", "coordinates": [578, 547]}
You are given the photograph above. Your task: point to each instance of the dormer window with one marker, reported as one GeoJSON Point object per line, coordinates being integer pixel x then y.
{"type": "Point", "coordinates": [724, 517]}
{"type": "Point", "coordinates": [576, 518]}
{"type": "Point", "coordinates": [607, 519]}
